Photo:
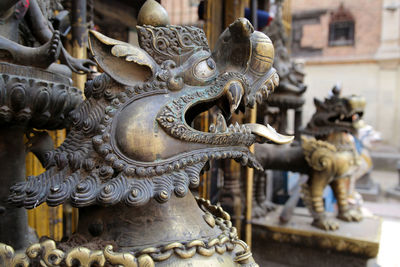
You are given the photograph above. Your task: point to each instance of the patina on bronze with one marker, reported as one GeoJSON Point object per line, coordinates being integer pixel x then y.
{"type": "Point", "coordinates": [31, 97]}
{"type": "Point", "coordinates": [132, 153]}
{"type": "Point", "coordinates": [329, 157]}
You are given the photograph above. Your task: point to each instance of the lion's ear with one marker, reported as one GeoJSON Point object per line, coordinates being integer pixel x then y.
{"type": "Point", "coordinates": [125, 63]}
{"type": "Point", "coordinates": [318, 103]}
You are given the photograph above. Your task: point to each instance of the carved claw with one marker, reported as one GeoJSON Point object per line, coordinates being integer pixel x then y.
{"type": "Point", "coordinates": [258, 211]}
{"type": "Point", "coordinates": [234, 93]}
{"type": "Point", "coordinates": [325, 224]}
{"type": "Point", "coordinates": [350, 215]}
{"type": "Point", "coordinates": [268, 206]}
{"type": "Point", "coordinates": [261, 210]}
{"type": "Point", "coordinates": [79, 66]}
{"type": "Point", "coordinates": [54, 46]}
{"type": "Point", "coordinates": [46, 54]}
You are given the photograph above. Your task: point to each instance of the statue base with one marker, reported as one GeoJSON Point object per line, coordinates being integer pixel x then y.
{"type": "Point", "coordinates": [369, 190]}
{"type": "Point", "coordinates": [393, 192]}
{"type": "Point", "coordinates": [298, 243]}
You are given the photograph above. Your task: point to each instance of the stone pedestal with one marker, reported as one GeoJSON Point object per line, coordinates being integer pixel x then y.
{"type": "Point", "coordinates": [369, 189]}
{"type": "Point", "coordinates": [394, 192]}
{"type": "Point", "coordinates": [297, 243]}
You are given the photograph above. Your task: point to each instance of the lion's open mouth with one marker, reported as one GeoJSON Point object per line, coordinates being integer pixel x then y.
{"type": "Point", "coordinates": [224, 106]}
{"type": "Point", "coordinates": [346, 120]}
{"type": "Point", "coordinates": [223, 138]}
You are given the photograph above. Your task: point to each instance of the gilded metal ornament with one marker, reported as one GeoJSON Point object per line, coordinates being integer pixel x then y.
{"type": "Point", "coordinates": [328, 157]}
{"type": "Point", "coordinates": [119, 146]}
{"type": "Point", "coordinates": [133, 152]}
{"type": "Point", "coordinates": [47, 254]}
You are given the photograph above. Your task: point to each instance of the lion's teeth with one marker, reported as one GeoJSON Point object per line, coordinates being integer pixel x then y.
{"type": "Point", "coordinates": [221, 124]}
{"type": "Point", "coordinates": [264, 91]}
{"type": "Point", "coordinates": [237, 127]}
{"type": "Point", "coordinates": [259, 98]}
{"type": "Point", "coordinates": [268, 133]}
{"type": "Point", "coordinates": [248, 130]}
{"type": "Point", "coordinates": [234, 93]}
{"type": "Point", "coordinates": [212, 128]}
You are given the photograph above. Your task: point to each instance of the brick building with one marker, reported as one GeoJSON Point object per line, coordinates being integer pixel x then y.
{"type": "Point", "coordinates": [356, 43]}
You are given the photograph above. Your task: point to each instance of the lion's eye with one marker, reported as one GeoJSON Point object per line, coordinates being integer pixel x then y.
{"type": "Point", "coordinates": [205, 69]}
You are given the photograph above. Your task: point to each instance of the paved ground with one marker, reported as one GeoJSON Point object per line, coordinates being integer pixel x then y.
{"type": "Point", "coordinates": [389, 210]}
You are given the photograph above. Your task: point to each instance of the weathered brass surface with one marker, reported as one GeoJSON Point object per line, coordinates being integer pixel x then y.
{"type": "Point", "coordinates": [176, 250]}
{"type": "Point", "coordinates": [334, 157]}
{"type": "Point", "coordinates": [128, 131]}
{"type": "Point", "coordinates": [336, 114]}
{"type": "Point", "coordinates": [133, 153]}
{"type": "Point", "coordinates": [360, 239]}
{"type": "Point", "coordinates": [151, 14]}
{"type": "Point", "coordinates": [274, 110]}
{"type": "Point", "coordinates": [331, 164]}
{"type": "Point", "coordinates": [328, 156]}
{"type": "Point", "coordinates": [289, 93]}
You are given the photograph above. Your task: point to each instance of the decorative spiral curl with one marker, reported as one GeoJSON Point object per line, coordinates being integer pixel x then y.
{"type": "Point", "coordinates": [113, 191]}
{"type": "Point", "coordinates": [85, 192]}
{"type": "Point", "coordinates": [140, 193]}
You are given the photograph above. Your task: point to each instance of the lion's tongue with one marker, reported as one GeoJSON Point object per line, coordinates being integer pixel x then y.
{"type": "Point", "coordinates": [268, 134]}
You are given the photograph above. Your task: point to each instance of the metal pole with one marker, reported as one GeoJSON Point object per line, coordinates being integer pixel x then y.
{"type": "Point", "coordinates": [13, 221]}
{"type": "Point", "coordinates": [250, 171]}
{"type": "Point", "coordinates": [253, 13]}
{"type": "Point", "coordinates": [79, 37]}
{"type": "Point", "coordinates": [298, 122]}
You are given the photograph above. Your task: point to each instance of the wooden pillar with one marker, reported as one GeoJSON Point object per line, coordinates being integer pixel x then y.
{"type": "Point", "coordinates": [213, 20]}
{"type": "Point", "coordinates": [250, 171]}
{"type": "Point", "coordinates": [233, 9]}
